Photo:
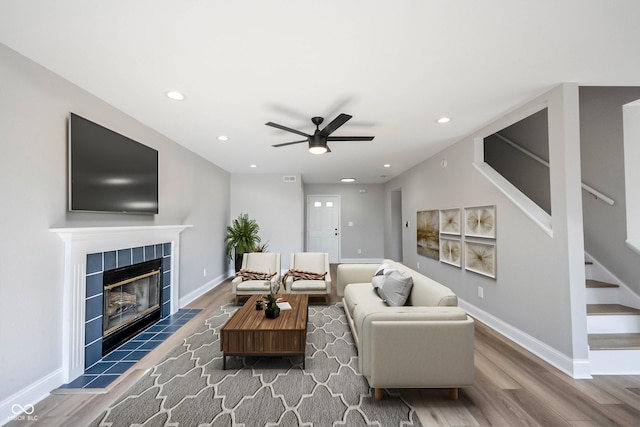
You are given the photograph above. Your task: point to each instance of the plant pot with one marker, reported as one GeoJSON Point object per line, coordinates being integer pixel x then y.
{"type": "Point", "coordinates": [272, 313]}
{"type": "Point", "coordinates": [238, 261]}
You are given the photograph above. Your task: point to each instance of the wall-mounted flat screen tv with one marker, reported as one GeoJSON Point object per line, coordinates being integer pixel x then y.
{"type": "Point", "coordinates": [109, 172]}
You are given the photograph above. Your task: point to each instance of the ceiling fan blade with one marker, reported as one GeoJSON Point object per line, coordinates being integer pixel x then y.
{"type": "Point", "coordinates": [275, 125]}
{"type": "Point", "coordinates": [350, 138]}
{"type": "Point", "coordinates": [335, 124]}
{"type": "Point", "coordinates": [289, 143]}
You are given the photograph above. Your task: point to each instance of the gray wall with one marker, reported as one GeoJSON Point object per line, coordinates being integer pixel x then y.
{"type": "Point", "coordinates": [602, 157]}
{"type": "Point", "coordinates": [365, 210]}
{"type": "Point", "coordinates": [34, 108]}
{"type": "Point", "coordinates": [528, 175]}
{"type": "Point", "coordinates": [277, 206]}
{"type": "Point", "coordinates": [537, 274]}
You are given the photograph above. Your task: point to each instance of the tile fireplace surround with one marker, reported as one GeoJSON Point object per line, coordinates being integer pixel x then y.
{"type": "Point", "coordinates": [82, 241]}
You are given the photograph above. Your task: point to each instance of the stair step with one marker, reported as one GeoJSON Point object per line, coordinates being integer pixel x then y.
{"type": "Point", "coordinates": [610, 309]}
{"type": "Point", "coordinates": [614, 341]}
{"type": "Point", "coordinates": [598, 284]}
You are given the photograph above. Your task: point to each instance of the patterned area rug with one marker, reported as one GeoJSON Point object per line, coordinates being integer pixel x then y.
{"type": "Point", "coordinates": [190, 388]}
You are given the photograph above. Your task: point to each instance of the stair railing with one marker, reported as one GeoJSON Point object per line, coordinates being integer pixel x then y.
{"type": "Point", "coordinates": [595, 193]}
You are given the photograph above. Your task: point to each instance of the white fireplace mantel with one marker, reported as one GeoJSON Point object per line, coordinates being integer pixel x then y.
{"type": "Point", "coordinates": [78, 243]}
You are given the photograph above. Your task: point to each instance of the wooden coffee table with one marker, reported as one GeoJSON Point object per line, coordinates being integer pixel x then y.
{"type": "Point", "coordinates": [250, 333]}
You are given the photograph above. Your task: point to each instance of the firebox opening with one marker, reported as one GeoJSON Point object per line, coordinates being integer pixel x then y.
{"type": "Point", "coordinates": [132, 301]}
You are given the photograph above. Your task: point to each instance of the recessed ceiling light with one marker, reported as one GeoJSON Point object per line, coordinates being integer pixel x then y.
{"type": "Point", "coordinates": [175, 95]}
{"type": "Point", "coordinates": [443, 120]}
{"type": "Point", "coordinates": [347, 179]}
{"type": "Point", "coordinates": [223, 138]}
{"type": "Point", "coordinates": [387, 165]}
{"type": "Point", "coordinates": [254, 166]}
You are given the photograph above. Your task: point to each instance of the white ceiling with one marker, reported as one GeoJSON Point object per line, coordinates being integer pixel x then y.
{"type": "Point", "coordinates": [395, 66]}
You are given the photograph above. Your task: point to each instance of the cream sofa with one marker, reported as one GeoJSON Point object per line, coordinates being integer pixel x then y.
{"type": "Point", "coordinates": [427, 343]}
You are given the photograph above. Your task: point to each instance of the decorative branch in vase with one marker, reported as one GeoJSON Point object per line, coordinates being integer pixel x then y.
{"type": "Point", "coordinates": [271, 309]}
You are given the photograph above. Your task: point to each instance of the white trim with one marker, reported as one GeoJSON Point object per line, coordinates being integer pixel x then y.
{"type": "Point", "coordinates": [613, 324]}
{"type": "Point", "coordinates": [576, 368]}
{"type": "Point", "coordinates": [78, 243]}
{"type": "Point", "coordinates": [634, 244]}
{"type": "Point", "coordinates": [197, 293]}
{"type": "Point", "coordinates": [615, 362]}
{"type": "Point", "coordinates": [360, 260]}
{"type": "Point", "coordinates": [601, 273]}
{"type": "Point", "coordinates": [532, 210]}
{"type": "Point", "coordinates": [631, 151]}
{"type": "Point", "coordinates": [30, 395]}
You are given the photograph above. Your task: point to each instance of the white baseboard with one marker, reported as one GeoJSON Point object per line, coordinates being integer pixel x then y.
{"type": "Point", "coordinates": [575, 368]}
{"type": "Point", "coordinates": [25, 399]}
{"type": "Point", "coordinates": [360, 260]}
{"type": "Point", "coordinates": [195, 294]}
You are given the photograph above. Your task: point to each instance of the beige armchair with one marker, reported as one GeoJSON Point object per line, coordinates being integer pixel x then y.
{"type": "Point", "coordinates": [309, 262]}
{"type": "Point", "coordinates": [258, 262]}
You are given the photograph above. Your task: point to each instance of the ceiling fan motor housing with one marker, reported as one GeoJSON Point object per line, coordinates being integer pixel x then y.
{"type": "Point", "coordinates": [317, 144]}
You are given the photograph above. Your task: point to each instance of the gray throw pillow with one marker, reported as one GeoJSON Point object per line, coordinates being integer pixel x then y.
{"type": "Point", "coordinates": [396, 289]}
{"type": "Point", "coordinates": [380, 276]}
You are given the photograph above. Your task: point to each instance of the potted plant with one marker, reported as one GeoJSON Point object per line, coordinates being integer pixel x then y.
{"type": "Point", "coordinates": [272, 310]}
{"type": "Point", "coordinates": [242, 236]}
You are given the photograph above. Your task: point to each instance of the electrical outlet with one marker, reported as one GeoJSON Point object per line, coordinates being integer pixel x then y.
{"type": "Point", "coordinates": [480, 292]}
{"type": "Point", "coordinates": [204, 272]}
{"type": "Point", "coordinates": [418, 264]}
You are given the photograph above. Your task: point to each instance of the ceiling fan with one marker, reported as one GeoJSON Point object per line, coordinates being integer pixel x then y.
{"type": "Point", "coordinates": [318, 141]}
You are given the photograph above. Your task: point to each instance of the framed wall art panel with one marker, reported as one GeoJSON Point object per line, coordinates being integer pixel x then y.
{"type": "Point", "coordinates": [480, 258]}
{"type": "Point", "coordinates": [428, 234]}
{"type": "Point", "coordinates": [480, 221]}
{"type": "Point", "coordinates": [450, 221]}
{"type": "Point", "coordinates": [451, 251]}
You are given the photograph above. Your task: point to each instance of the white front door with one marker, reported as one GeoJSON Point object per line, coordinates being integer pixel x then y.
{"type": "Point", "coordinates": [323, 226]}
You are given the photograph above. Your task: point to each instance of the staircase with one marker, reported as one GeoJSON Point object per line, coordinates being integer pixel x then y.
{"type": "Point", "coordinates": [614, 328]}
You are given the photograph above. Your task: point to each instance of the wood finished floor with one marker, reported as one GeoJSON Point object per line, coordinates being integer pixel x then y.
{"type": "Point", "coordinates": [512, 388]}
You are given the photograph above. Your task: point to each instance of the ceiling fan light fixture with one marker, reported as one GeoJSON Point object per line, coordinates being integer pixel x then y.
{"type": "Point", "coordinates": [317, 144]}
{"type": "Point", "coordinates": [318, 141]}
{"type": "Point", "coordinates": [318, 150]}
